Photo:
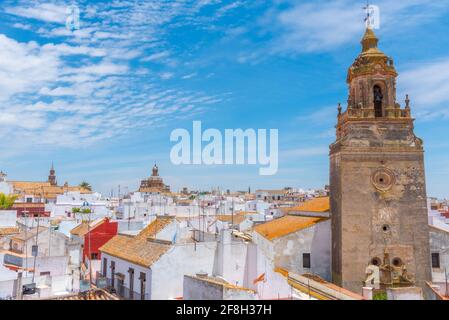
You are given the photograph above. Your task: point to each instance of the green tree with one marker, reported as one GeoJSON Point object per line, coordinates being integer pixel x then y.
{"type": "Point", "coordinates": [6, 201]}
{"type": "Point", "coordinates": [86, 185]}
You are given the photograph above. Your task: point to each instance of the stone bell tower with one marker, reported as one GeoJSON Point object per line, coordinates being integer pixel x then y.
{"type": "Point", "coordinates": [52, 176]}
{"type": "Point", "coordinates": [377, 182]}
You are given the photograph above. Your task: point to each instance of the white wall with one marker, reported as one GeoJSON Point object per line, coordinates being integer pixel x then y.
{"type": "Point", "coordinates": [257, 205]}
{"type": "Point", "coordinates": [69, 200]}
{"type": "Point", "coordinates": [182, 259]}
{"type": "Point", "coordinates": [8, 218]}
{"type": "Point", "coordinates": [196, 289]}
{"type": "Point", "coordinates": [122, 266]}
{"type": "Point", "coordinates": [168, 232]}
{"type": "Point", "coordinates": [287, 251]}
{"type": "Point", "coordinates": [5, 187]}
{"type": "Point", "coordinates": [321, 254]}
{"type": "Point", "coordinates": [57, 266]}
{"type": "Point", "coordinates": [274, 286]}
{"type": "Point", "coordinates": [231, 261]}
{"type": "Point", "coordinates": [7, 288]}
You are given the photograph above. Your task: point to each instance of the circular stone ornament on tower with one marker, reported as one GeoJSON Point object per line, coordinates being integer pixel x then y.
{"type": "Point", "coordinates": [383, 179]}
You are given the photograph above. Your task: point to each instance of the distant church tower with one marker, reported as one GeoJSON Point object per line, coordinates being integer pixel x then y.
{"type": "Point", "coordinates": [52, 176]}
{"type": "Point", "coordinates": [377, 182]}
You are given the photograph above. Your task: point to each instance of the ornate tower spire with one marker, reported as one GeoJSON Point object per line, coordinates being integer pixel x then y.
{"type": "Point", "coordinates": [372, 84]}
{"type": "Point", "coordinates": [370, 41]}
{"type": "Point", "coordinates": [52, 176]}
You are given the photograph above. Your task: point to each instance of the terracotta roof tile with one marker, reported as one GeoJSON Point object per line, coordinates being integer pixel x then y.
{"type": "Point", "coordinates": [156, 226]}
{"type": "Point", "coordinates": [6, 231]}
{"type": "Point", "coordinates": [94, 294]}
{"type": "Point", "coordinates": [83, 228]}
{"type": "Point", "coordinates": [43, 189]}
{"type": "Point", "coordinates": [221, 282]}
{"type": "Point", "coordinates": [139, 249]}
{"type": "Point", "coordinates": [315, 205]}
{"type": "Point", "coordinates": [238, 218]}
{"type": "Point", "coordinates": [283, 226]}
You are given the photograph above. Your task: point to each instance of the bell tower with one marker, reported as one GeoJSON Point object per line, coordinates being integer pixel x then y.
{"type": "Point", "coordinates": [377, 182]}
{"type": "Point", "coordinates": [52, 176]}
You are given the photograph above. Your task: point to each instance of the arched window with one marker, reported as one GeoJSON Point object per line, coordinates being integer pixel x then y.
{"type": "Point", "coordinates": [378, 98]}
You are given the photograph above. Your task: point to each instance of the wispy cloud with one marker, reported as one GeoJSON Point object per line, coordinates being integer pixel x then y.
{"type": "Point", "coordinates": [190, 76]}
{"type": "Point", "coordinates": [327, 25]}
{"type": "Point", "coordinates": [48, 12]}
{"type": "Point", "coordinates": [428, 86]}
{"type": "Point", "coordinates": [83, 87]}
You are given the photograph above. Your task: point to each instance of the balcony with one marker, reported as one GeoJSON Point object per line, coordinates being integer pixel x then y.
{"type": "Point", "coordinates": [121, 290]}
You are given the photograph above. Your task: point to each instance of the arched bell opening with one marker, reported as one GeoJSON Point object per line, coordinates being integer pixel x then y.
{"type": "Point", "coordinates": [378, 101]}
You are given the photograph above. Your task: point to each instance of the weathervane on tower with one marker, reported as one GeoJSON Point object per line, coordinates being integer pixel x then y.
{"type": "Point", "coordinates": [372, 19]}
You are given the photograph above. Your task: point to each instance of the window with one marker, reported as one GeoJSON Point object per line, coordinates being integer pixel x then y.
{"type": "Point", "coordinates": [112, 273]}
{"type": "Point", "coordinates": [142, 279]}
{"type": "Point", "coordinates": [306, 260]}
{"type": "Point", "coordinates": [94, 256]}
{"type": "Point", "coordinates": [435, 260]}
{"type": "Point", "coordinates": [131, 283]}
{"type": "Point", "coordinates": [105, 267]}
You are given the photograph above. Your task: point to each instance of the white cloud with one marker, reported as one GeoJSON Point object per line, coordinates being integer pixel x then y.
{"type": "Point", "coordinates": [104, 68]}
{"type": "Point", "coordinates": [24, 67]}
{"type": "Point", "coordinates": [166, 75]}
{"type": "Point", "coordinates": [79, 88]}
{"type": "Point", "coordinates": [428, 87]}
{"type": "Point", "coordinates": [47, 12]}
{"type": "Point", "coordinates": [327, 25]}
{"type": "Point", "coordinates": [156, 56]}
{"type": "Point", "coordinates": [228, 7]}
{"type": "Point", "coordinates": [22, 26]}
{"type": "Point", "coordinates": [310, 27]}
{"type": "Point", "coordinates": [64, 49]}
{"type": "Point", "coordinates": [190, 76]}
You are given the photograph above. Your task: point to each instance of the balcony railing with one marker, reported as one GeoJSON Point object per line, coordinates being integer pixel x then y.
{"type": "Point", "coordinates": [124, 292]}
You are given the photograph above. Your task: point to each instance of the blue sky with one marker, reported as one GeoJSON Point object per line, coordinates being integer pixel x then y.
{"type": "Point", "coordinates": [101, 101]}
